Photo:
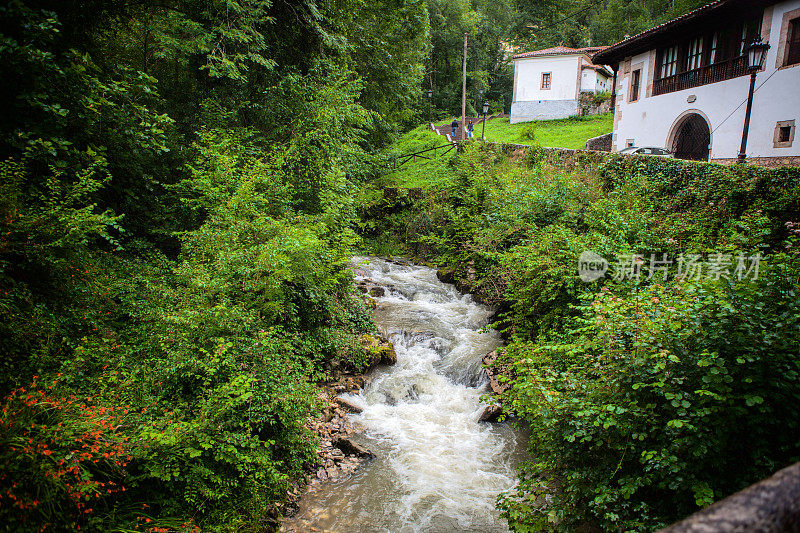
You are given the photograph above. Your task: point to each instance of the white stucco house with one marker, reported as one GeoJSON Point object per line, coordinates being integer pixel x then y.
{"type": "Point", "coordinates": [684, 85]}
{"type": "Point", "coordinates": [548, 83]}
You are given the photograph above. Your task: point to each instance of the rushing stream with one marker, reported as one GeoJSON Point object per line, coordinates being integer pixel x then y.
{"type": "Point", "coordinates": [437, 468]}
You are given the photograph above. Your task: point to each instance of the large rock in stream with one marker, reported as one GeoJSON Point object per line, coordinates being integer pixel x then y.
{"type": "Point", "coordinates": [491, 413]}
{"type": "Point", "coordinates": [347, 405]}
{"type": "Point", "coordinates": [463, 278]}
{"type": "Point", "coordinates": [380, 350]}
{"type": "Point", "coordinates": [494, 370]}
{"type": "Point", "coordinates": [348, 447]}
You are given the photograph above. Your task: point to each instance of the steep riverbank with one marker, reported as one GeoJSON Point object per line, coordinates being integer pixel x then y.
{"type": "Point", "coordinates": [622, 374]}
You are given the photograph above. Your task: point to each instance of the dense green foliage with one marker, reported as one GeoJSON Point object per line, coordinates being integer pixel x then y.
{"type": "Point", "coordinates": [176, 213]}
{"type": "Point", "coordinates": [647, 398]}
{"type": "Point", "coordinates": [577, 23]}
{"type": "Point", "coordinates": [179, 186]}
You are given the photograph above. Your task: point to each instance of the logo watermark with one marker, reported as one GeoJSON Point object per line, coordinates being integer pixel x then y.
{"type": "Point", "coordinates": [638, 267]}
{"type": "Point", "coordinates": [591, 266]}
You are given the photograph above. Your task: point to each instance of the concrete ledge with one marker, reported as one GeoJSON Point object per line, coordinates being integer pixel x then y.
{"type": "Point", "coordinates": [769, 506]}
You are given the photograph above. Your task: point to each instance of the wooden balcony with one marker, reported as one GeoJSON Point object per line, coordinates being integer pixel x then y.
{"type": "Point", "coordinates": [724, 70]}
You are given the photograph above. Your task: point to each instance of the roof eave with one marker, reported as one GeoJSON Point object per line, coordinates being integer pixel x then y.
{"type": "Point", "coordinates": [662, 34]}
{"type": "Point", "coordinates": [549, 55]}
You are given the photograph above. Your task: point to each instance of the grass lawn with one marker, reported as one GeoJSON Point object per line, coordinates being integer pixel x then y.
{"type": "Point", "coordinates": [570, 132]}
{"type": "Point", "coordinates": [421, 172]}
{"type": "Point", "coordinates": [435, 172]}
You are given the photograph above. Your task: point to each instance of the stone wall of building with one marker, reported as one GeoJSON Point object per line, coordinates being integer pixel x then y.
{"type": "Point", "coordinates": [525, 111]}
{"type": "Point", "coordinates": [588, 104]}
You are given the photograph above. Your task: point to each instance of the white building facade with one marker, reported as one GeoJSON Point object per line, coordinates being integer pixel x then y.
{"type": "Point", "coordinates": [548, 83]}
{"type": "Point", "coordinates": [595, 79]}
{"type": "Point", "coordinates": [684, 85]}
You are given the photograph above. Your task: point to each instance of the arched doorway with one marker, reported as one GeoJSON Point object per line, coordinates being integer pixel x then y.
{"type": "Point", "coordinates": [691, 138]}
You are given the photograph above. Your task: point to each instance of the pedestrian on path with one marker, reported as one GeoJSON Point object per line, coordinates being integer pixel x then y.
{"type": "Point", "coordinates": [469, 130]}
{"type": "Point", "coordinates": [454, 125]}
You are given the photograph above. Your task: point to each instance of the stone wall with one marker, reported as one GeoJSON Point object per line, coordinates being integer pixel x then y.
{"type": "Point", "coordinates": [769, 162]}
{"type": "Point", "coordinates": [770, 506]}
{"type": "Point", "coordinates": [543, 110]}
{"type": "Point", "coordinates": [601, 143]}
{"type": "Point", "coordinates": [588, 105]}
{"type": "Point", "coordinates": [576, 158]}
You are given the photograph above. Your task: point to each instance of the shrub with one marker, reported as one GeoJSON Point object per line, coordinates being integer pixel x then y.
{"type": "Point", "coordinates": [64, 458]}
{"type": "Point", "coordinates": [646, 402]}
{"type": "Point", "coordinates": [664, 399]}
{"type": "Point", "coordinates": [529, 132]}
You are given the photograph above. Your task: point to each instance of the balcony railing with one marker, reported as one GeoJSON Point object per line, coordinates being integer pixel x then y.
{"type": "Point", "coordinates": [724, 70]}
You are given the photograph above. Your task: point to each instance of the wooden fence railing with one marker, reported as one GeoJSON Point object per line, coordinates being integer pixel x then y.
{"type": "Point", "coordinates": [405, 158]}
{"type": "Point", "coordinates": [724, 70]}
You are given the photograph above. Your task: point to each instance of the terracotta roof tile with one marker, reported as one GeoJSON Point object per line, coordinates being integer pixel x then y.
{"type": "Point", "coordinates": [598, 68]}
{"type": "Point", "coordinates": [560, 51]}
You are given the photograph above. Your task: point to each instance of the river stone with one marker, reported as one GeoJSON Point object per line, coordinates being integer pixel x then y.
{"type": "Point", "coordinates": [379, 349]}
{"type": "Point", "coordinates": [351, 448]}
{"type": "Point", "coordinates": [446, 275]}
{"type": "Point", "coordinates": [388, 355]}
{"type": "Point", "coordinates": [490, 414]}
{"type": "Point", "coordinates": [377, 292]}
{"type": "Point", "coordinates": [348, 406]}
{"type": "Point", "coordinates": [494, 371]}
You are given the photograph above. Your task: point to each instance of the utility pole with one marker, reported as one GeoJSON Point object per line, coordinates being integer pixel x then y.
{"type": "Point", "coordinates": [464, 93]}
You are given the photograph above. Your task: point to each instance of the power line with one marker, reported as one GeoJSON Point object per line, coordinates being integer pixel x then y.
{"type": "Point", "coordinates": [744, 102]}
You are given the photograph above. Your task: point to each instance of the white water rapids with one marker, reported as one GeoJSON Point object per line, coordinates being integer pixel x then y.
{"type": "Point", "coordinates": [437, 468]}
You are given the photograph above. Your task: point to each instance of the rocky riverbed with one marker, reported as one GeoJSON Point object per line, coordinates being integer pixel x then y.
{"type": "Point", "coordinates": [339, 454]}
{"type": "Point", "coordinates": [408, 447]}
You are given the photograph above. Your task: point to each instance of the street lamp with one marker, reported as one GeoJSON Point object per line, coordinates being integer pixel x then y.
{"type": "Point", "coordinates": [430, 96]}
{"type": "Point", "coordinates": [483, 126]}
{"type": "Point", "coordinates": [756, 54]}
